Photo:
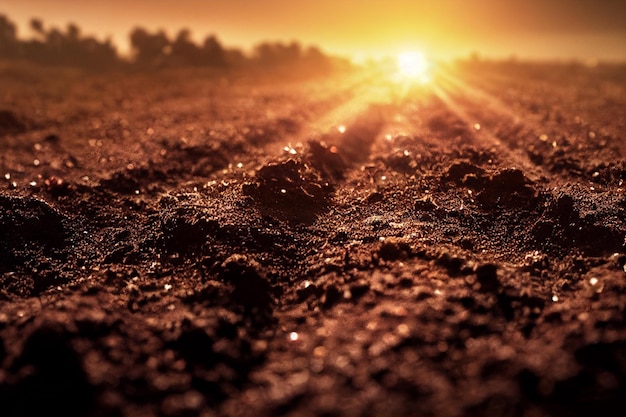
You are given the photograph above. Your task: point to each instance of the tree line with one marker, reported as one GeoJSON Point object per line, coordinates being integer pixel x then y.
{"type": "Point", "coordinates": [70, 47]}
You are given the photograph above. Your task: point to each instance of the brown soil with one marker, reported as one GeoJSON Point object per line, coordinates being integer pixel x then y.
{"type": "Point", "coordinates": [210, 244]}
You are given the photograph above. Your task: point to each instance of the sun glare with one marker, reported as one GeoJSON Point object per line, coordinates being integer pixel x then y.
{"type": "Point", "coordinates": [413, 65]}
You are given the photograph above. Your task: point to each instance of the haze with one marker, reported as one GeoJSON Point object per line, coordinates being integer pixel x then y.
{"type": "Point", "coordinates": [535, 29]}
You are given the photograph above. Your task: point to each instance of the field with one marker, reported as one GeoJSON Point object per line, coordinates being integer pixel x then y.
{"type": "Point", "coordinates": [212, 243]}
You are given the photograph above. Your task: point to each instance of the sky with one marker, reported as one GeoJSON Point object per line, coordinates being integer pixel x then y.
{"type": "Point", "coordinates": [535, 29]}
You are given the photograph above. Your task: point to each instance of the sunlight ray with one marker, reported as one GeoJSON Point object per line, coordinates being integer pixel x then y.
{"type": "Point", "coordinates": [479, 96]}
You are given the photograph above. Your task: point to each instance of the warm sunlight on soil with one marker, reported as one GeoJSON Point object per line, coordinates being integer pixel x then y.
{"type": "Point", "coordinates": [341, 208]}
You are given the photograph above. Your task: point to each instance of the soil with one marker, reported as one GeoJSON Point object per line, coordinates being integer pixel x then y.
{"type": "Point", "coordinates": [196, 243]}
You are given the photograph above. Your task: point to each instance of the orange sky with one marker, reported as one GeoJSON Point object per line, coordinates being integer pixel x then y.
{"type": "Point", "coordinates": [583, 29]}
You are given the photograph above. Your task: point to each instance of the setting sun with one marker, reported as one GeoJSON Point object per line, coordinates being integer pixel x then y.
{"type": "Point", "coordinates": [413, 65]}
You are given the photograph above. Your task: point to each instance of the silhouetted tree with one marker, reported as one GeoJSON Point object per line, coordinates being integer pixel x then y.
{"type": "Point", "coordinates": [184, 51]}
{"type": "Point", "coordinates": [265, 53]}
{"type": "Point", "coordinates": [148, 48]}
{"type": "Point", "coordinates": [213, 52]}
{"type": "Point", "coordinates": [102, 55]}
{"type": "Point", "coordinates": [316, 61]}
{"type": "Point", "coordinates": [70, 47]}
{"type": "Point", "coordinates": [271, 54]}
{"type": "Point", "coordinates": [73, 32]}
{"type": "Point", "coordinates": [37, 26]}
{"type": "Point", "coordinates": [291, 52]}
{"type": "Point", "coordinates": [8, 39]}
{"type": "Point", "coordinates": [73, 48]}
{"type": "Point", "coordinates": [56, 47]}
{"type": "Point", "coordinates": [156, 49]}
{"type": "Point", "coordinates": [235, 58]}
{"type": "Point", "coordinates": [55, 38]}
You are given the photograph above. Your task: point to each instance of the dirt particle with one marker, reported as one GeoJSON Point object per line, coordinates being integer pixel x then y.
{"type": "Point", "coordinates": [331, 296]}
{"type": "Point", "coordinates": [52, 139]}
{"type": "Point", "coordinates": [508, 187]}
{"type": "Point", "coordinates": [11, 123]}
{"type": "Point", "coordinates": [185, 228]}
{"type": "Point", "coordinates": [252, 290]}
{"type": "Point", "coordinates": [58, 386]}
{"type": "Point", "coordinates": [487, 276]}
{"type": "Point", "coordinates": [34, 238]}
{"type": "Point", "coordinates": [462, 172]}
{"type": "Point", "coordinates": [291, 187]}
{"type": "Point", "coordinates": [327, 160]}
{"type": "Point", "coordinates": [393, 249]}
{"type": "Point", "coordinates": [425, 204]}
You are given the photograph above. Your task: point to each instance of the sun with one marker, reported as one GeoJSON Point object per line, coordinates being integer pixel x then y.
{"type": "Point", "coordinates": [413, 65]}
